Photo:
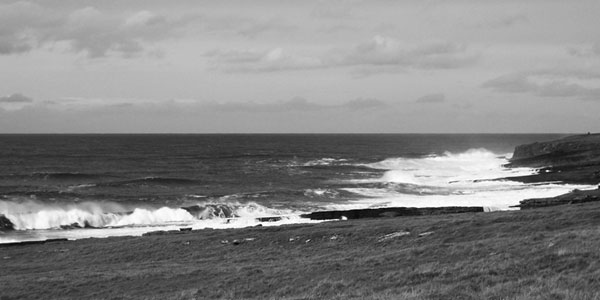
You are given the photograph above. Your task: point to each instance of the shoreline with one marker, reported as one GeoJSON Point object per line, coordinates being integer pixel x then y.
{"type": "Point", "coordinates": [571, 159]}
{"type": "Point", "coordinates": [466, 256]}
{"type": "Point", "coordinates": [538, 252]}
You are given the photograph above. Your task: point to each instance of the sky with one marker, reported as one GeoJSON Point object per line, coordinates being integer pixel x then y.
{"type": "Point", "coordinates": [281, 66]}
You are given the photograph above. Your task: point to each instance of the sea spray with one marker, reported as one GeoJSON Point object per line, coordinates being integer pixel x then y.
{"type": "Point", "coordinates": [32, 215]}
{"type": "Point", "coordinates": [471, 178]}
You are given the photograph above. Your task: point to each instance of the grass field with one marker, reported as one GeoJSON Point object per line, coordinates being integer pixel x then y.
{"type": "Point", "coordinates": [546, 253]}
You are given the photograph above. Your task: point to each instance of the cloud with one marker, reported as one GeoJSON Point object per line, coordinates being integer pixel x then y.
{"type": "Point", "coordinates": [332, 10]}
{"type": "Point", "coordinates": [500, 22]}
{"type": "Point", "coordinates": [364, 103]}
{"type": "Point", "coordinates": [27, 26]}
{"type": "Point", "coordinates": [585, 51]}
{"type": "Point", "coordinates": [189, 115]}
{"type": "Point", "coordinates": [511, 83]}
{"type": "Point", "coordinates": [378, 53]}
{"type": "Point", "coordinates": [550, 84]}
{"type": "Point", "coordinates": [15, 98]}
{"type": "Point", "coordinates": [508, 21]}
{"type": "Point", "coordinates": [242, 25]}
{"type": "Point", "coordinates": [15, 102]}
{"type": "Point", "coordinates": [432, 98]}
{"type": "Point", "coordinates": [275, 59]}
{"type": "Point", "coordinates": [22, 26]}
{"type": "Point", "coordinates": [254, 28]}
{"type": "Point", "coordinates": [296, 104]}
{"type": "Point", "coordinates": [91, 31]}
{"type": "Point", "coordinates": [386, 51]}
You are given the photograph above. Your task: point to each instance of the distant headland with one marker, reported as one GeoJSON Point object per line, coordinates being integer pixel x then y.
{"type": "Point", "coordinates": [573, 159]}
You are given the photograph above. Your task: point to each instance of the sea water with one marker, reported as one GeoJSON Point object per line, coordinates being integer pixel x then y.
{"type": "Point", "coordinates": [77, 186]}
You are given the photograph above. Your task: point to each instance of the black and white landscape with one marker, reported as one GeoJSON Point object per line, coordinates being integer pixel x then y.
{"type": "Point", "coordinates": [341, 149]}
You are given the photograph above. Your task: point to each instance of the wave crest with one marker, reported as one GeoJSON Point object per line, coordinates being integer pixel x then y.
{"type": "Point", "coordinates": [31, 215]}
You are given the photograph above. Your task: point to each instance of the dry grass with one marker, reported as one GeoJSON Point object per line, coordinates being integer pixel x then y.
{"type": "Point", "coordinates": [549, 253]}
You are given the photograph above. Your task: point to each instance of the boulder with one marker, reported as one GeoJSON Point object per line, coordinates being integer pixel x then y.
{"type": "Point", "coordinates": [6, 224]}
{"type": "Point", "coordinates": [71, 226]}
{"type": "Point", "coordinates": [268, 219]}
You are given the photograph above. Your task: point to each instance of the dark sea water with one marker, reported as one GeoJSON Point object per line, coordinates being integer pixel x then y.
{"type": "Point", "coordinates": [50, 185]}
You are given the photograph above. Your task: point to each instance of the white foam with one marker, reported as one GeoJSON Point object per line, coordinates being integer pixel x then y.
{"type": "Point", "coordinates": [31, 215]}
{"type": "Point", "coordinates": [324, 162]}
{"type": "Point", "coordinates": [474, 164]}
{"type": "Point", "coordinates": [312, 193]}
{"type": "Point", "coordinates": [163, 215]}
{"type": "Point", "coordinates": [463, 179]}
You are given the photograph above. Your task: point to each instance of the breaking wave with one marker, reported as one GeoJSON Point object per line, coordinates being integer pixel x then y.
{"type": "Point", "coordinates": [324, 162]}
{"type": "Point", "coordinates": [31, 215]}
{"type": "Point", "coordinates": [472, 178]}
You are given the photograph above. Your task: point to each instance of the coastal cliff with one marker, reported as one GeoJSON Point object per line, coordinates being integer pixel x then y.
{"type": "Point", "coordinates": [573, 159]}
{"type": "Point", "coordinates": [577, 149]}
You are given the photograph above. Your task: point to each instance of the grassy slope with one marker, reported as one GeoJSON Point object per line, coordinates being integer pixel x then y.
{"type": "Point", "coordinates": [548, 253]}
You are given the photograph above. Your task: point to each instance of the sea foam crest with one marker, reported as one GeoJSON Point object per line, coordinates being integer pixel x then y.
{"type": "Point", "coordinates": [470, 178]}
{"type": "Point", "coordinates": [324, 162]}
{"type": "Point", "coordinates": [474, 164]}
{"type": "Point", "coordinates": [29, 215]}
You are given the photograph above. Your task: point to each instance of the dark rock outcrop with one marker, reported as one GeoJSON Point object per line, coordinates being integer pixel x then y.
{"type": "Point", "coordinates": [576, 149]}
{"type": "Point", "coordinates": [71, 226]}
{"type": "Point", "coordinates": [574, 197]}
{"type": "Point", "coordinates": [33, 242]}
{"type": "Point", "coordinates": [389, 212]}
{"type": "Point", "coordinates": [210, 210]}
{"type": "Point", "coordinates": [6, 224]}
{"type": "Point", "coordinates": [269, 219]}
{"type": "Point", "coordinates": [573, 159]}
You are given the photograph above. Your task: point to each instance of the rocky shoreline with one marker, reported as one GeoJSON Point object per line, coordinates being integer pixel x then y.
{"type": "Point", "coordinates": [390, 212]}
{"type": "Point", "coordinates": [545, 253]}
{"type": "Point", "coordinates": [542, 253]}
{"type": "Point", "coordinates": [573, 159]}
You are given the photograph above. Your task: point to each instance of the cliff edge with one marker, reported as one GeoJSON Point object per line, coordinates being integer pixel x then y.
{"type": "Point", "coordinates": [577, 149]}
{"type": "Point", "coordinates": [573, 159]}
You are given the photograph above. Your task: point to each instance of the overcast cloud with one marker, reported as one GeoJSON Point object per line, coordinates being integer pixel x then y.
{"type": "Point", "coordinates": [299, 66]}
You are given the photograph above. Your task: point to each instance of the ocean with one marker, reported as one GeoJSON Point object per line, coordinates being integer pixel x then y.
{"type": "Point", "coordinates": [78, 186]}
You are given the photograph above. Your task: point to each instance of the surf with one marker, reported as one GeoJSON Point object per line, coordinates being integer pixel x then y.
{"type": "Point", "coordinates": [476, 177]}
{"type": "Point", "coordinates": [32, 215]}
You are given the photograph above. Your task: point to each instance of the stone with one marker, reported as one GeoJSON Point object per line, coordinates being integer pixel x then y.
{"type": "Point", "coordinates": [6, 224]}
{"type": "Point", "coordinates": [70, 226]}
{"type": "Point", "coordinates": [392, 236]}
{"type": "Point", "coordinates": [268, 219]}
